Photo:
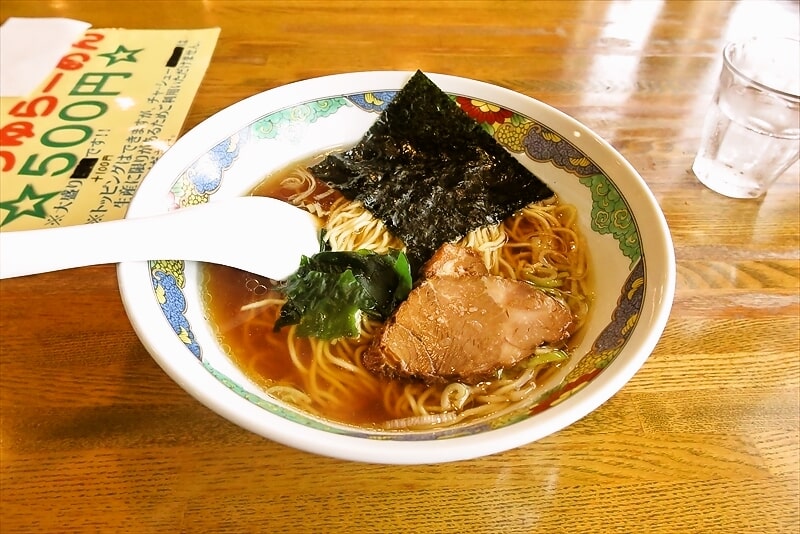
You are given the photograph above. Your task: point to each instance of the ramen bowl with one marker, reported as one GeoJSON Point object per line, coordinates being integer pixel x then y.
{"type": "Point", "coordinates": [630, 254]}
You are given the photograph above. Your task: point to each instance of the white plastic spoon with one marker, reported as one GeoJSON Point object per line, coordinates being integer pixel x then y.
{"type": "Point", "coordinates": [260, 235]}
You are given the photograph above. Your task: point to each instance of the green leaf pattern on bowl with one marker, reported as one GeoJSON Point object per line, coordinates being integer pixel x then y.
{"type": "Point", "coordinates": [274, 124]}
{"type": "Point", "coordinates": [610, 215]}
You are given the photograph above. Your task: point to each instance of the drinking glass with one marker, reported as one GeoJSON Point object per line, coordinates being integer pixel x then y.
{"type": "Point", "coordinates": [751, 133]}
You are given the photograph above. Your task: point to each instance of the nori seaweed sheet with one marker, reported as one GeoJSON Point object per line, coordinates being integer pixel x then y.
{"type": "Point", "coordinates": [430, 172]}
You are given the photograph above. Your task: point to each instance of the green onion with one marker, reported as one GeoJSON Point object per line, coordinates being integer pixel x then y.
{"type": "Point", "coordinates": [544, 355]}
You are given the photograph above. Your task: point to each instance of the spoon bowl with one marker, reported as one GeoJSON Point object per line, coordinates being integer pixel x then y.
{"type": "Point", "coordinates": [260, 235]}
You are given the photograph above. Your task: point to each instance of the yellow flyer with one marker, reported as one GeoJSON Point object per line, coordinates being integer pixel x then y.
{"type": "Point", "coordinates": [76, 149]}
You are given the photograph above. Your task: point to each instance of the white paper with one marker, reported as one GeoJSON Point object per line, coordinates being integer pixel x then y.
{"type": "Point", "coordinates": [30, 48]}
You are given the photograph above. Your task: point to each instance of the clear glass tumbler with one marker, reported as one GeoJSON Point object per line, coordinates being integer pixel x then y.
{"type": "Point", "coordinates": [751, 133]}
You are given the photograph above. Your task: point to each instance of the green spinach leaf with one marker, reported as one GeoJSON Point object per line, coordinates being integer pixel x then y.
{"type": "Point", "coordinates": [330, 291]}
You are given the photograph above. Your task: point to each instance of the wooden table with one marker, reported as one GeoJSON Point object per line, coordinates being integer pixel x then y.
{"type": "Point", "coordinates": [96, 438]}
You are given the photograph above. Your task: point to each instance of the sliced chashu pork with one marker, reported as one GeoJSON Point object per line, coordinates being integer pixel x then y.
{"type": "Point", "coordinates": [462, 323]}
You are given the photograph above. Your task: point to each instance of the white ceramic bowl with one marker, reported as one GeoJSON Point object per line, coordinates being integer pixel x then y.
{"type": "Point", "coordinates": [232, 151]}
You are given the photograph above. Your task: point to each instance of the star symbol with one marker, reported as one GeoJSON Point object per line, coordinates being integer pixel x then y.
{"type": "Point", "coordinates": [121, 54]}
{"type": "Point", "coordinates": [28, 203]}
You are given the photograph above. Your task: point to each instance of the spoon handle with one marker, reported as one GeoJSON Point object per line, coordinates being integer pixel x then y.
{"type": "Point", "coordinates": [53, 249]}
{"type": "Point", "coordinates": [267, 238]}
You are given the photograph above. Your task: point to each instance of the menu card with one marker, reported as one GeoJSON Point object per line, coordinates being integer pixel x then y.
{"type": "Point", "coordinates": [75, 150]}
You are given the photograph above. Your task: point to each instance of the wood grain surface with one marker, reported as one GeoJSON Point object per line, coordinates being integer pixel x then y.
{"type": "Point", "coordinates": [705, 438]}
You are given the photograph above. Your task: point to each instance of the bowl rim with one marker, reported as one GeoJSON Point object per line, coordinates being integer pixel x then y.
{"type": "Point", "coordinates": [199, 383]}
